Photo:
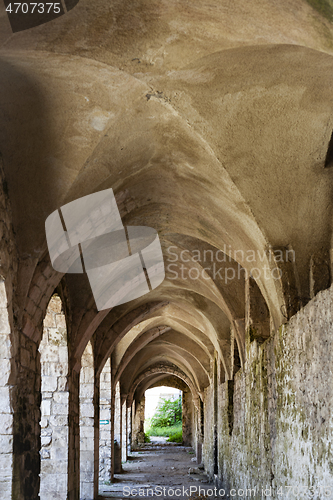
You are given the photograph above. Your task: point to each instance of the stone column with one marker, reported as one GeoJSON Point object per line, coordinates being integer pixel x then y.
{"type": "Point", "coordinates": [117, 431]}
{"type": "Point", "coordinates": [138, 435]}
{"type": "Point", "coordinates": [257, 318]}
{"type": "Point", "coordinates": [129, 429]}
{"type": "Point", "coordinates": [87, 425]}
{"type": "Point", "coordinates": [105, 425]}
{"type": "Point", "coordinates": [96, 436]}
{"type": "Point", "coordinates": [54, 414]}
{"type": "Point", "coordinates": [6, 396]}
{"type": "Point", "coordinates": [187, 405]}
{"type": "Point", "coordinates": [74, 436]}
{"type": "Point", "coordinates": [123, 429]}
{"type": "Point", "coordinates": [26, 428]}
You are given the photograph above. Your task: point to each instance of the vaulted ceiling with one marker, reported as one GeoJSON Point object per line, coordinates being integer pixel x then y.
{"type": "Point", "coordinates": [211, 122]}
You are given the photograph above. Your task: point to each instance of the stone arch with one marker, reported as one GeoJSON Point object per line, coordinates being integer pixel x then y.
{"type": "Point", "coordinates": [165, 369]}
{"type": "Point", "coordinates": [53, 350]}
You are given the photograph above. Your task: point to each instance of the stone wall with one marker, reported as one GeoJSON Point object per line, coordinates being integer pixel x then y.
{"type": "Point", "coordinates": [276, 417]}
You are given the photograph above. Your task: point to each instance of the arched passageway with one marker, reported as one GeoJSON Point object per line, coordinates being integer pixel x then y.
{"type": "Point", "coordinates": [212, 125]}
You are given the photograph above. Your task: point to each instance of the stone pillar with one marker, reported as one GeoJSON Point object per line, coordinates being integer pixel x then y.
{"type": "Point", "coordinates": [117, 431]}
{"type": "Point", "coordinates": [138, 434]}
{"type": "Point", "coordinates": [113, 404]}
{"type": "Point", "coordinates": [87, 425]}
{"type": "Point", "coordinates": [124, 429]}
{"type": "Point", "coordinates": [105, 424]}
{"type": "Point", "coordinates": [96, 436]}
{"type": "Point", "coordinates": [187, 406]}
{"type": "Point", "coordinates": [320, 272]}
{"type": "Point", "coordinates": [26, 428]}
{"type": "Point", "coordinates": [129, 429]}
{"type": "Point", "coordinates": [6, 396]}
{"type": "Point", "coordinates": [257, 318]}
{"type": "Point", "coordinates": [73, 435]}
{"type": "Point", "coordinates": [200, 431]}
{"type": "Point", "coordinates": [54, 415]}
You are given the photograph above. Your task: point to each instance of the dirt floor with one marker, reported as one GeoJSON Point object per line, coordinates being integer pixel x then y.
{"type": "Point", "coordinates": [162, 470]}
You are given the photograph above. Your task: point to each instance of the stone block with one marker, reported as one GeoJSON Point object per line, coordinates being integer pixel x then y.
{"type": "Point", "coordinates": [86, 444]}
{"type": "Point", "coordinates": [6, 443]}
{"type": "Point", "coordinates": [46, 432]}
{"type": "Point", "coordinates": [59, 453]}
{"type": "Point", "coordinates": [49, 320]}
{"type": "Point", "coordinates": [25, 357]}
{"type": "Point", "coordinates": [87, 432]}
{"type": "Point", "coordinates": [6, 465]}
{"type": "Point", "coordinates": [5, 371]}
{"type": "Point", "coordinates": [54, 467]}
{"type": "Point", "coordinates": [58, 420]}
{"type": "Point", "coordinates": [50, 354]}
{"type": "Point", "coordinates": [6, 489]}
{"type": "Point", "coordinates": [62, 384]}
{"type": "Point", "coordinates": [49, 384]}
{"type": "Point", "coordinates": [46, 407]}
{"type": "Point", "coordinates": [87, 375]}
{"type": "Point", "coordinates": [61, 321]}
{"type": "Point", "coordinates": [59, 409]}
{"type": "Point", "coordinates": [53, 483]}
{"type": "Point", "coordinates": [5, 404]}
{"type": "Point", "coordinates": [86, 391]}
{"type": "Point", "coordinates": [46, 440]}
{"type": "Point", "coordinates": [86, 491]}
{"type": "Point", "coordinates": [87, 461]}
{"type": "Point", "coordinates": [87, 410]}
{"type": "Point", "coordinates": [6, 424]}
{"type": "Point", "coordinates": [4, 321]}
{"type": "Point", "coordinates": [63, 354]}
{"type": "Point", "coordinates": [58, 337]}
{"type": "Point", "coordinates": [60, 397]}
{"type": "Point", "coordinates": [5, 346]}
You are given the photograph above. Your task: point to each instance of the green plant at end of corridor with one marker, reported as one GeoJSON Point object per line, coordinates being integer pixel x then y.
{"type": "Point", "coordinates": [168, 413]}
{"type": "Point", "coordinates": [176, 437]}
{"type": "Point", "coordinates": [163, 431]}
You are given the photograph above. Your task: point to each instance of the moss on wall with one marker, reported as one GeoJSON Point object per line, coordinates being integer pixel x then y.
{"type": "Point", "coordinates": [324, 7]}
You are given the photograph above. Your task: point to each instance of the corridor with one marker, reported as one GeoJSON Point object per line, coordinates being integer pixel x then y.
{"type": "Point", "coordinates": [166, 219]}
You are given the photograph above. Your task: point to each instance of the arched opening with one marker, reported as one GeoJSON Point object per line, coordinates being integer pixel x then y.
{"type": "Point", "coordinates": [54, 405]}
{"type": "Point", "coordinates": [163, 414]}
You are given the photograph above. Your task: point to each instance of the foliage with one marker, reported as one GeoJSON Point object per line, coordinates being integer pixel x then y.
{"type": "Point", "coordinates": [168, 413]}
{"type": "Point", "coordinates": [164, 431]}
{"type": "Point", "coordinates": [176, 437]}
{"type": "Point", "coordinates": [147, 438]}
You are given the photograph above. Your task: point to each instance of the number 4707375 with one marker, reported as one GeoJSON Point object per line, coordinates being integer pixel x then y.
{"type": "Point", "coordinates": [31, 8]}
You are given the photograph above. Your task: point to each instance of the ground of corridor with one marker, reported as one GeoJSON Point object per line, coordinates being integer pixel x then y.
{"type": "Point", "coordinates": [159, 470]}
